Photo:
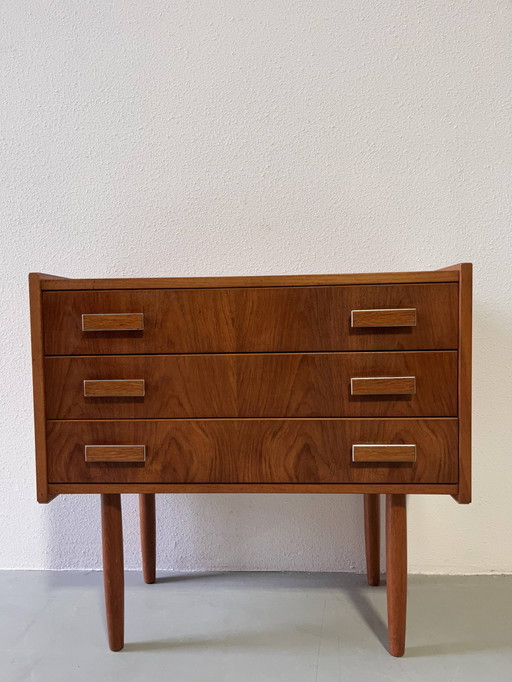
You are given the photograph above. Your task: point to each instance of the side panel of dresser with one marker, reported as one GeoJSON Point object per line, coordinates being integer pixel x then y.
{"type": "Point", "coordinates": [465, 271]}
{"type": "Point", "coordinates": [35, 280]}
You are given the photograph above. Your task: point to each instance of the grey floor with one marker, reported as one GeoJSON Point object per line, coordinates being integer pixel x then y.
{"type": "Point", "coordinates": [253, 627]}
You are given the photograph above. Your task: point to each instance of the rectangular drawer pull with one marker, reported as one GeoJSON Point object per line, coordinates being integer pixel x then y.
{"type": "Point", "coordinates": [111, 388]}
{"type": "Point", "coordinates": [384, 317]}
{"type": "Point", "coordinates": [112, 322]}
{"type": "Point", "coordinates": [383, 385]}
{"type": "Point", "coordinates": [115, 453]}
{"type": "Point", "coordinates": [383, 453]}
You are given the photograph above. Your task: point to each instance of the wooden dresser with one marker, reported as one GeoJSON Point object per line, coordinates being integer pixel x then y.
{"type": "Point", "coordinates": [317, 384]}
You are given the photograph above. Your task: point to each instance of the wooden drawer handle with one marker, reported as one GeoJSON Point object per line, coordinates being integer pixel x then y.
{"type": "Point", "coordinates": [384, 317]}
{"type": "Point", "coordinates": [383, 385]}
{"type": "Point", "coordinates": [383, 453]}
{"type": "Point", "coordinates": [115, 453]}
{"type": "Point", "coordinates": [112, 322]}
{"type": "Point", "coordinates": [111, 388]}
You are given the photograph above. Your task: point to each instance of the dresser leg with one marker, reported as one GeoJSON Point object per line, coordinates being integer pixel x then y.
{"type": "Point", "coordinates": [147, 516]}
{"type": "Point", "coordinates": [372, 537]}
{"type": "Point", "coordinates": [113, 568]}
{"type": "Point", "coordinates": [396, 571]}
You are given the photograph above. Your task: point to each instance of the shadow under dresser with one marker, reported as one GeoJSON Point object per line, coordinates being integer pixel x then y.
{"type": "Point", "coordinates": [317, 384]}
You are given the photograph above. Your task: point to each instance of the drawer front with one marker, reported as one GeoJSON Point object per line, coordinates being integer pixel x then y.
{"type": "Point", "coordinates": [255, 451]}
{"type": "Point", "coordinates": [331, 318]}
{"type": "Point", "coordinates": [396, 384]}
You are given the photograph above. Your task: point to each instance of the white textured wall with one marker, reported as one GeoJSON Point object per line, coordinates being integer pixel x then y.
{"type": "Point", "coordinates": [232, 137]}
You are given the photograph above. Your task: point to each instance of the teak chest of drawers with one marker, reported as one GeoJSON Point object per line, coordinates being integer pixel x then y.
{"type": "Point", "coordinates": [329, 383]}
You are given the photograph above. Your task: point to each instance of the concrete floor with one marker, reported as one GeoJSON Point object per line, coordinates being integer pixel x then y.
{"type": "Point", "coordinates": [229, 627]}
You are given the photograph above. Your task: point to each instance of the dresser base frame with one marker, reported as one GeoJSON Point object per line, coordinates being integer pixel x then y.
{"type": "Point", "coordinates": [55, 489]}
{"type": "Point", "coordinates": [396, 559]}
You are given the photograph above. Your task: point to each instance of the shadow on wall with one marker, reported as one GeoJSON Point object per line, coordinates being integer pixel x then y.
{"type": "Point", "coordinates": [218, 532]}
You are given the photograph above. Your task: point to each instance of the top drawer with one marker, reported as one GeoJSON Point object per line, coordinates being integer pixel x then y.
{"type": "Point", "coordinates": [319, 318]}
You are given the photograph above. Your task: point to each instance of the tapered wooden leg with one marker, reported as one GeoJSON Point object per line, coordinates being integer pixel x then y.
{"type": "Point", "coordinates": [396, 571]}
{"type": "Point", "coordinates": [372, 537]}
{"type": "Point", "coordinates": [147, 516]}
{"type": "Point", "coordinates": [113, 568]}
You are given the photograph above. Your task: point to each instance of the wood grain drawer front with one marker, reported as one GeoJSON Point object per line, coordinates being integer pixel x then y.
{"type": "Point", "coordinates": [257, 385]}
{"type": "Point", "coordinates": [280, 319]}
{"type": "Point", "coordinates": [254, 451]}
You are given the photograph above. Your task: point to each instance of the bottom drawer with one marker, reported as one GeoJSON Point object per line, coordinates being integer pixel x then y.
{"type": "Point", "coordinates": [253, 451]}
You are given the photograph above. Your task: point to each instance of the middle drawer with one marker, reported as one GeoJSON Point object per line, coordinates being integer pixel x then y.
{"type": "Point", "coordinates": [401, 384]}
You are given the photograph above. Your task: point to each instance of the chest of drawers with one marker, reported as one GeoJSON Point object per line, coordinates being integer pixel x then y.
{"type": "Point", "coordinates": [329, 383]}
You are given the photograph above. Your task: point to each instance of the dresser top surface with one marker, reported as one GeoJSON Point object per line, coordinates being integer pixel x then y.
{"type": "Point", "coordinates": [52, 283]}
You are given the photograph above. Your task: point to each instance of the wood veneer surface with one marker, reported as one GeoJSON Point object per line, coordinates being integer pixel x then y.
{"type": "Point", "coordinates": [253, 385]}
{"type": "Point", "coordinates": [254, 451]}
{"type": "Point", "coordinates": [251, 320]}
